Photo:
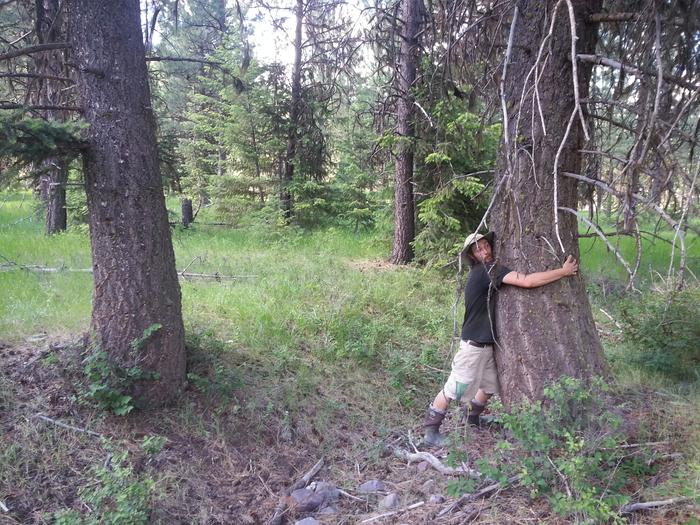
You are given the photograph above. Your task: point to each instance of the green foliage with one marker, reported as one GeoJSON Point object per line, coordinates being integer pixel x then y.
{"type": "Point", "coordinates": [108, 382]}
{"type": "Point", "coordinates": [117, 497]}
{"type": "Point", "coordinates": [451, 211]}
{"type": "Point", "coordinates": [104, 382]}
{"type": "Point", "coordinates": [151, 445]}
{"type": "Point", "coordinates": [567, 449]}
{"type": "Point", "coordinates": [461, 145]}
{"type": "Point", "coordinates": [662, 332]}
{"type": "Point", "coordinates": [27, 140]}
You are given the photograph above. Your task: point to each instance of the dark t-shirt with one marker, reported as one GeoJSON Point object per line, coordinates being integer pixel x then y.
{"type": "Point", "coordinates": [479, 299]}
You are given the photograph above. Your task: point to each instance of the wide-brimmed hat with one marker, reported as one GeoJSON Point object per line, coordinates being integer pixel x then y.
{"type": "Point", "coordinates": [473, 239]}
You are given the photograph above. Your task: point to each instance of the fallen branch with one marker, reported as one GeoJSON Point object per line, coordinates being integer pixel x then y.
{"type": "Point", "coordinates": [301, 483]}
{"type": "Point", "coordinates": [65, 425]}
{"type": "Point", "coordinates": [634, 507]}
{"type": "Point", "coordinates": [216, 276]}
{"type": "Point", "coordinates": [435, 463]}
{"type": "Point", "coordinates": [44, 269]}
{"type": "Point", "coordinates": [486, 491]}
{"type": "Point", "coordinates": [348, 495]}
{"type": "Point", "coordinates": [386, 514]}
{"type": "Point", "coordinates": [4, 507]}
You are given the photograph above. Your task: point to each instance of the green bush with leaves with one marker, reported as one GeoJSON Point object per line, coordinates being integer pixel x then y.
{"type": "Point", "coordinates": [117, 496]}
{"type": "Point", "coordinates": [566, 448]}
{"type": "Point", "coordinates": [662, 331]}
{"type": "Point", "coordinates": [108, 382]}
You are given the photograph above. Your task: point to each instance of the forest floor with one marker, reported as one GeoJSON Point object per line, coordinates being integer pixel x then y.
{"type": "Point", "coordinates": [219, 463]}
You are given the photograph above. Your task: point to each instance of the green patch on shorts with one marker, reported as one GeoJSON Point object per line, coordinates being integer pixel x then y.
{"type": "Point", "coordinates": [460, 389]}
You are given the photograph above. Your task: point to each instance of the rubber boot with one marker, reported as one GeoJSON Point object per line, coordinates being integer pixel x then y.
{"type": "Point", "coordinates": [431, 424]}
{"type": "Point", "coordinates": [472, 412]}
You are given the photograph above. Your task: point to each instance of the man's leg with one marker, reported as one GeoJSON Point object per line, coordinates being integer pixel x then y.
{"type": "Point", "coordinates": [488, 385]}
{"type": "Point", "coordinates": [433, 419]}
{"type": "Point", "coordinates": [476, 406]}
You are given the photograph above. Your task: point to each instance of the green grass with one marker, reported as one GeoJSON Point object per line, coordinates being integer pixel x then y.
{"type": "Point", "coordinates": [308, 336]}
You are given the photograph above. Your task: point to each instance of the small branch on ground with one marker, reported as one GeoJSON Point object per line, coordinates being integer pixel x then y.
{"type": "Point", "coordinates": [65, 425]}
{"type": "Point", "coordinates": [435, 463]}
{"type": "Point", "coordinates": [43, 269]}
{"type": "Point", "coordinates": [393, 513]}
{"type": "Point", "coordinates": [486, 491]}
{"type": "Point", "coordinates": [634, 507]}
{"type": "Point", "coordinates": [301, 483]}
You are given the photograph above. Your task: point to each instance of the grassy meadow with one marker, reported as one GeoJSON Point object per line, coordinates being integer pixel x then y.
{"type": "Point", "coordinates": [307, 337]}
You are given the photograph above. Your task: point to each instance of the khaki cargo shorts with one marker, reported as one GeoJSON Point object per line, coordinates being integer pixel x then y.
{"type": "Point", "coordinates": [472, 368]}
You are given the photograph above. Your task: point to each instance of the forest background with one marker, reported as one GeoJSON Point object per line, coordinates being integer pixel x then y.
{"type": "Point", "coordinates": [282, 180]}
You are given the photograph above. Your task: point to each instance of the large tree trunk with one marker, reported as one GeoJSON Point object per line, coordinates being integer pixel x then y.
{"type": "Point", "coordinates": [290, 157]}
{"type": "Point", "coordinates": [49, 91]}
{"type": "Point", "coordinates": [546, 332]}
{"type": "Point", "coordinates": [56, 216]}
{"type": "Point", "coordinates": [404, 208]}
{"type": "Point", "coordinates": [135, 281]}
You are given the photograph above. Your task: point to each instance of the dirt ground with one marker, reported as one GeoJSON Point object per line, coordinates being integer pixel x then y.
{"type": "Point", "coordinates": [221, 464]}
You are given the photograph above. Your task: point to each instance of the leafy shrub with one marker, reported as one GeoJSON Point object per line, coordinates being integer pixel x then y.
{"type": "Point", "coordinates": [108, 382]}
{"type": "Point", "coordinates": [663, 330]}
{"type": "Point", "coordinates": [117, 497]}
{"type": "Point", "coordinates": [567, 449]}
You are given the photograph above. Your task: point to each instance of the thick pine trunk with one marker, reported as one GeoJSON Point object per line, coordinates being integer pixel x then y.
{"type": "Point", "coordinates": [135, 280]}
{"type": "Point", "coordinates": [48, 91]}
{"type": "Point", "coordinates": [546, 332]}
{"type": "Point", "coordinates": [290, 157]}
{"type": "Point", "coordinates": [404, 207]}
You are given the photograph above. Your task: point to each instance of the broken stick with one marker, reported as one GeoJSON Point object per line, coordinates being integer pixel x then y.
{"type": "Point", "coordinates": [436, 463]}
{"type": "Point", "coordinates": [301, 483]}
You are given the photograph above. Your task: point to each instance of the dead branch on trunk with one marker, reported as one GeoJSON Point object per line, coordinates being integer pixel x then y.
{"type": "Point", "coordinates": [635, 71]}
{"type": "Point", "coordinates": [301, 483]}
{"type": "Point", "coordinates": [33, 49]}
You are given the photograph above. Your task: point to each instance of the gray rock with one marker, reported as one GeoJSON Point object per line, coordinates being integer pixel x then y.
{"type": "Point", "coordinates": [423, 466]}
{"type": "Point", "coordinates": [328, 510]}
{"type": "Point", "coordinates": [428, 487]}
{"type": "Point", "coordinates": [329, 491]}
{"type": "Point", "coordinates": [390, 501]}
{"type": "Point", "coordinates": [305, 500]}
{"type": "Point", "coordinates": [371, 486]}
{"type": "Point", "coordinates": [307, 521]}
{"type": "Point", "coordinates": [436, 498]}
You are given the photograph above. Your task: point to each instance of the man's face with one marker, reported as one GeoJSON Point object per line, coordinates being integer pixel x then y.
{"type": "Point", "coordinates": [481, 251]}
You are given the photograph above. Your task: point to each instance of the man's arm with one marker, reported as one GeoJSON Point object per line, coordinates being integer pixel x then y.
{"type": "Point", "coordinates": [535, 280]}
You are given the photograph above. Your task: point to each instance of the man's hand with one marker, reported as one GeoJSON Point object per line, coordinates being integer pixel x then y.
{"type": "Point", "coordinates": [570, 266]}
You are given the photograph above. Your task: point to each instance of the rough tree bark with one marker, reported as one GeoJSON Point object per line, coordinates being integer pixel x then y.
{"type": "Point", "coordinates": [290, 157]}
{"type": "Point", "coordinates": [546, 332]}
{"type": "Point", "coordinates": [135, 280]}
{"type": "Point", "coordinates": [404, 207]}
{"type": "Point", "coordinates": [53, 172]}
